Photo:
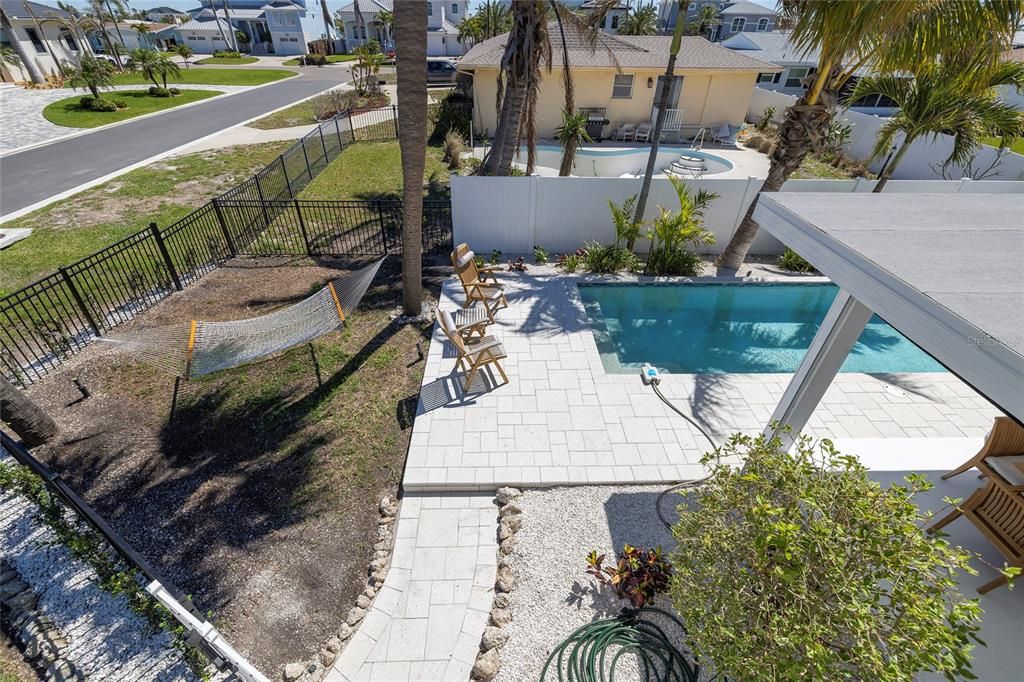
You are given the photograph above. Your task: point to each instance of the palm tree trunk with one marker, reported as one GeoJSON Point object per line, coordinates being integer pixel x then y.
{"type": "Point", "coordinates": [886, 175]}
{"type": "Point", "coordinates": [411, 41]}
{"type": "Point", "coordinates": [231, 29]}
{"type": "Point", "coordinates": [25, 418]}
{"type": "Point", "coordinates": [802, 130]}
{"type": "Point", "coordinates": [116, 27]}
{"type": "Point", "coordinates": [515, 97]}
{"type": "Point", "coordinates": [34, 74]}
{"type": "Point", "coordinates": [327, 26]}
{"type": "Point", "coordinates": [361, 27]}
{"type": "Point", "coordinates": [42, 38]}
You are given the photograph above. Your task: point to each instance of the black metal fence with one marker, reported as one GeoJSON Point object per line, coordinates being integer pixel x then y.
{"type": "Point", "coordinates": [46, 322]}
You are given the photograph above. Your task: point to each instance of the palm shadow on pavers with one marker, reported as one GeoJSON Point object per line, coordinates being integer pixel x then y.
{"type": "Point", "coordinates": [259, 498]}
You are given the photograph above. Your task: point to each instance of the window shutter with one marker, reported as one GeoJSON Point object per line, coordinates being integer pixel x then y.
{"type": "Point", "coordinates": [777, 78]}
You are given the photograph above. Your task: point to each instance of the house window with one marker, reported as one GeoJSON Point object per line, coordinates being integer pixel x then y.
{"type": "Point", "coordinates": [69, 40]}
{"type": "Point", "coordinates": [615, 21]}
{"type": "Point", "coordinates": [430, 9]}
{"type": "Point", "coordinates": [622, 87]}
{"type": "Point", "coordinates": [762, 24]}
{"type": "Point", "coordinates": [766, 78]}
{"type": "Point", "coordinates": [692, 6]}
{"type": "Point", "coordinates": [455, 8]}
{"type": "Point", "coordinates": [795, 76]}
{"type": "Point", "coordinates": [36, 42]}
{"type": "Point", "coordinates": [737, 24]}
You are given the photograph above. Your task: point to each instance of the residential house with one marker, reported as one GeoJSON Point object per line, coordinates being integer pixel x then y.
{"type": "Point", "coordinates": [283, 27]}
{"type": "Point", "coordinates": [167, 15]}
{"type": "Point", "coordinates": [442, 25]}
{"type": "Point", "coordinates": [612, 18]}
{"type": "Point", "coordinates": [618, 79]}
{"type": "Point", "coordinates": [1008, 93]}
{"type": "Point", "coordinates": [156, 38]}
{"type": "Point", "coordinates": [732, 17]}
{"type": "Point", "coordinates": [797, 64]}
{"type": "Point", "coordinates": [40, 42]}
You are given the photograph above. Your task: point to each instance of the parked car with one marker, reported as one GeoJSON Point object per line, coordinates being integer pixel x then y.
{"type": "Point", "coordinates": [441, 71]}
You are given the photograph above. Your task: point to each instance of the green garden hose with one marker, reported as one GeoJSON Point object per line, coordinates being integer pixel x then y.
{"type": "Point", "coordinates": [592, 652]}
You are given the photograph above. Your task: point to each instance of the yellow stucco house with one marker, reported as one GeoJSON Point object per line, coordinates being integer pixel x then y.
{"type": "Point", "coordinates": [712, 87]}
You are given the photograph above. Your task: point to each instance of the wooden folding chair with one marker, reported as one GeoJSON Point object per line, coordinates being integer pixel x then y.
{"type": "Point", "coordinates": [1002, 455]}
{"type": "Point", "coordinates": [473, 354]}
{"type": "Point", "coordinates": [462, 253]}
{"type": "Point", "coordinates": [490, 294]}
{"type": "Point", "coordinates": [999, 515]}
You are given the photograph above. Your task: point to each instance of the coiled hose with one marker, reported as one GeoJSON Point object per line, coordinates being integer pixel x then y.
{"type": "Point", "coordinates": [592, 652]}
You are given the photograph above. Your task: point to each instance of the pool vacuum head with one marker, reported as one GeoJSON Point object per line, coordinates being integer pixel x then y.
{"type": "Point", "coordinates": [649, 374]}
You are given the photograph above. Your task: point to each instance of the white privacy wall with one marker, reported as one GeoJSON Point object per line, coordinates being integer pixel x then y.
{"type": "Point", "coordinates": [514, 214]}
{"type": "Point", "coordinates": [920, 161]}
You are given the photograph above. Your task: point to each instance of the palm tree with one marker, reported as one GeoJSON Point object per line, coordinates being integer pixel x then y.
{"type": "Point", "coordinates": [184, 51]}
{"type": "Point", "coordinates": [642, 21]}
{"type": "Point", "coordinates": [571, 134]}
{"type": "Point", "coordinates": [90, 72]}
{"type": "Point", "coordinates": [327, 26]}
{"type": "Point", "coordinates": [470, 31]}
{"type": "Point", "coordinates": [76, 23]}
{"type": "Point", "coordinates": [122, 9]}
{"type": "Point", "coordinates": [411, 43]}
{"type": "Point", "coordinates": [143, 32]}
{"type": "Point", "coordinates": [659, 121]}
{"type": "Point", "coordinates": [230, 29]}
{"type": "Point", "coordinates": [361, 25]}
{"type": "Point", "coordinates": [943, 98]}
{"type": "Point", "coordinates": [29, 421]}
{"type": "Point", "coordinates": [386, 19]}
{"type": "Point", "coordinates": [702, 23]}
{"type": "Point", "coordinates": [165, 67]}
{"type": "Point", "coordinates": [883, 36]}
{"type": "Point", "coordinates": [495, 18]}
{"type": "Point", "coordinates": [9, 57]}
{"type": "Point", "coordinates": [147, 62]}
{"type": "Point", "coordinates": [25, 60]}
{"type": "Point", "coordinates": [100, 17]}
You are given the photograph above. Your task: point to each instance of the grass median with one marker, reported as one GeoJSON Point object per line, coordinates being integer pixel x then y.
{"type": "Point", "coordinates": [228, 60]}
{"type": "Point", "coordinates": [201, 76]}
{"type": "Point", "coordinates": [69, 112]}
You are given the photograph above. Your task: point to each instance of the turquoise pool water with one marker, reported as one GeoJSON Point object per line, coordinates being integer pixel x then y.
{"type": "Point", "coordinates": [731, 328]}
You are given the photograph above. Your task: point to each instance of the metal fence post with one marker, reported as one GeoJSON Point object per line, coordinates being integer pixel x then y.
{"type": "Point", "coordinates": [79, 300]}
{"type": "Point", "coordinates": [166, 256]}
{"type": "Point", "coordinates": [287, 182]}
{"type": "Point", "coordinates": [383, 229]}
{"type": "Point", "coordinates": [323, 144]}
{"type": "Point", "coordinates": [351, 128]}
{"type": "Point", "coordinates": [337, 129]}
{"type": "Point", "coordinates": [263, 200]}
{"type": "Point", "coordinates": [224, 228]}
{"type": "Point", "coordinates": [394, 117]}
{"type": "Point", "coordinates": [309, 171]}
{"type": "Point", "coordinates": [302, 226]}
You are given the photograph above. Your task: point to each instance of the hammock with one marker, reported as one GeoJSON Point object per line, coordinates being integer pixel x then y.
{"type": "Point", "coordinates": [195, 348]}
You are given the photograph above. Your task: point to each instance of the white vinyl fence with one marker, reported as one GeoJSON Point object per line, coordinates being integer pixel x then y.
{"type": "Point", "coordinates": [921, 160]}
{"type": "Point", "coordinates": [514, 214]}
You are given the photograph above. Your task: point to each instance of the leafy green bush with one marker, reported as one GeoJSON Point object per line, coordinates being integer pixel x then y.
{"type": "Point", "coordinates": [105, 105]}
{"type": "Point", "coordinates": [607, 258]}
{"type": "Point", "coordinates": [120, 103]}
{"type": "Point", "coordinates": [766, 119]}
{"type": "Point", "coordinates": [495, 257]}
{"type": "Point", "coordinates": [570, 262]}
{"type": "Point", "coordinates": [175, 91]}
{"type": "Point", "coordinates": [314, 60]}
{"type": "Point", "coordinates": [639, 576]}
{"type": "Point", "coordinates": [228, 54]}
{"type": "Point", "coordinates": [674, 262]}
{"type": "Point", "coordinates": [674, 232]}
{"type": "Point", "coordinates": [792, 261]}
{"type": "Point", "coordinates": [540, 256]}
{"type": "Point", "coordinates": [800, 567]}
{"type": "Point", "coordinates": [626, 230]}
{"type": "Point", "coordinates": [86, 102]}
{"type": "Point", "coordinates": [453, 113]}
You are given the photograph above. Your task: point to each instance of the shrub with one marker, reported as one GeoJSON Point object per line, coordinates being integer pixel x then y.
{"type": "Point", "coordinates": [791, 260]}
{"type": "Point", "coordinates": [105, 105]}
{"type": "Point", "coordinates": [607, 258]}
{"type": "Point", "coordinates": [86, 102]}
{"type": "Point", "coordinates": [765, 120]}
{"type": "Point", "coordinates": [674, 263]}
{"type": "Point", "coordinates": [674, 232]}
{"type": "Point", "coordinates": [570, 262]}
{"type": "Point", "coordinates": [454, 112]}
{"type": "Point", "coordinates": [639, 576]}
{"type": "Point", "coordinates": [228, 54]}
{"type": "Point", "coordinates": [540, 256]}
{"type": "Point", "coordinates": [314, 60]}
{"type": "Point", "coordinates": [800, 567]}
{"type": "Point", "coordinates": [175, 91]}
{"type": "Point", "coordinates": [495, 257]}
{"type": "Point", "coordinates": [120, 103]}
{"type": "Point", "coordinates": [454, 147]}
{"type": "Point", "coordinates": [159, 92]}
{"type": "Point", "coordinates": [626, 230]}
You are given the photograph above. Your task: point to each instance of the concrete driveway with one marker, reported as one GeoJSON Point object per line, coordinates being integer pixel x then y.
{"type": "Point", "coordinates": [34, 175]}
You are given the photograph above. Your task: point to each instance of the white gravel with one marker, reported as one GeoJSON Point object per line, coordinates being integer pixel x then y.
{"type": "Point", "coordinates": [106, 640]}
{"type": "Point", "coordinates": [553, 595]}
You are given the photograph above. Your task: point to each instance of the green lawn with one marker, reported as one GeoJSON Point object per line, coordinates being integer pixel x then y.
{"type": "Point", "coordinates": [331, 59]}
{"type": "Point", "coordinates": [68, 112]}
{"type": "Point", "coordinates": [201, 76]}
{"type": "Point", "coordinates": [295, 115]}
{"type": "Point", "coordinates": [88, 221]}
{"type": "Point", "coordinates": [228, 60]}
{"type": "Point", "coordinates": [1017, 147]}
{"type": "Point", "coordinates": [373, 170]}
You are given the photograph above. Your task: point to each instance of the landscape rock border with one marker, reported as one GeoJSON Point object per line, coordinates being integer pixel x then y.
{"type": "Point", "coordinates": [317, 668]}
{"type": "Point", "coordinates": [510, 520]}
{"type": "Point", "coordinates": [41, 643]}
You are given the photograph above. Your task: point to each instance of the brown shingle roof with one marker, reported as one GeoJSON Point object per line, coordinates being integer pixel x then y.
{"type": "Point", "coordinates": [634, 52]}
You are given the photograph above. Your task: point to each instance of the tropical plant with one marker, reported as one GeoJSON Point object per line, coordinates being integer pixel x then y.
{"type": "Point", "coordinates": [799, 566]}
{"type": "Point", "coordinates": [886, 37]}
{"type": "Point", "coordinates": [944, 98]}
{"type": "Point", "coordinates": [369, 59]}
{"type": "Point", "coordinates": [570, 262]}
{"type": "Point", "coordinates": [411, 42]}
{"type": "Point", "coordinates": [609, 258]}
{"type": "Point", "coordinates": [454, 148]}
{"type": "Point", "coordinates": [640, 21]}
{"type": "Point", "coordinates": [471, 31]}
{"type": "Point", "coordinates": [9, 57]}
{"type": "Point", "coordinates": [495, 18]}
{"type": "Point", "coordinates": [640, 575]}
{"type": "Point", "coordinates": [702, 23]}
{"type": "Point", "coordinates": [90, 72]}
{"type": "Point", "coordinates": [540, 255]}
{"type": "Point", "coordinates": [837, 136]}
{"type": "Point", "coordinates": [144, 32]}
{"type": "Point", "coordinates": [100, 17]}
{"type": "Point", "coordinates": [794, 262]}
{"type": "Point", "coordinates": [165, 67]}
{"type": "Point", "coordinates": [145, 61]}
{"type": "Point", "coordinates": [387, 20]}
{"type": "Point", "coordinates": [242, 38]}
{"type": "Point", "coordinates": [675, 233]}
{"type": "Point", "coordinates": [765, 120]}
{"type": "Point", "coordinates": [183, 51]}
{"type": "Point", "coordinates": [571, 134]}
{"type": "Point", "coordinates": [626, 229]}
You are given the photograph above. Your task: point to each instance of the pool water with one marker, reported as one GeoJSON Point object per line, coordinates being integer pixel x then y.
{"type": "Point", "coordinates": [615, 162]}
{"type": "Point", "coordinates": [731, 328]}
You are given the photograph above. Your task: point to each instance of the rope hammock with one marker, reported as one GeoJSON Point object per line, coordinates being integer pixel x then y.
{"type": "Point", "coordinates": [192, 349]}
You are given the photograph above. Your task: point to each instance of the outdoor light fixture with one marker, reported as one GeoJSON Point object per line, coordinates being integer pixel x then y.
{"type": "Point", "coordinates": [650, 82]}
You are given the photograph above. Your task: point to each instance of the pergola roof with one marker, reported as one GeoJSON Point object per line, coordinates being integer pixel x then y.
{"type": "Point", "coordinates": [946, 270]}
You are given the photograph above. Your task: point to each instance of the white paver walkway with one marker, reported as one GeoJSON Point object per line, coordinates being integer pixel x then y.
{"type": "Point", "coordinates": [562, 420]}
{"type": "Point", "coordinates": [425, 623]}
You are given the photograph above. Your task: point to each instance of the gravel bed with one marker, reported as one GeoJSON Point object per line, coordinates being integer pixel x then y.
{"type": "Point", "coordinates": [553, 595]}
{"type": "Point", "coordinates": [106, 640]}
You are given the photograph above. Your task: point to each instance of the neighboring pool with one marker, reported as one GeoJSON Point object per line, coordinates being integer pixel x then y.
{"type": "Point", "coordinates": [731, 328]}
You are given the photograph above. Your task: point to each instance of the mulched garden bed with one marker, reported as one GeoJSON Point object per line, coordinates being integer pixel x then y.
{"type": "Point", "coordinates": [259, 498]}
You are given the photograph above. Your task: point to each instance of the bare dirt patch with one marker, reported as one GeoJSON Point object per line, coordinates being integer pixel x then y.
{"type": "Point", "coordinates": [259, 498]}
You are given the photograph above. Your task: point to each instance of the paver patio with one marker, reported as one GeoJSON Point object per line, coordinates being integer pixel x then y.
{"type": "Point", "coordinates": [562, 420]}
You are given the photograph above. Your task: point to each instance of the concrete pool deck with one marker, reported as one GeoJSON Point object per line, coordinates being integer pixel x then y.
{"type": "Point", "coordinates": [562, 419]}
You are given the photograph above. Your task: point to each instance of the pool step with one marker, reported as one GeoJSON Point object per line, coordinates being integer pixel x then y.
{"type": "Point", "coordinates": [690, 162]}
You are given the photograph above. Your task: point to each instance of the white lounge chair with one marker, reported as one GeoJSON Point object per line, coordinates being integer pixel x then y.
{"type": "Point", "coordinates": [627, 132]}
{"type": "Point", "coordinates": [726, 135]}
{"type": "Point", "coordinates": [643, 132]}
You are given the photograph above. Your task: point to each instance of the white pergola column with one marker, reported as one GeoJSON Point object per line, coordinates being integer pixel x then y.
{"type": "Point", "coordinates": [840, 329]}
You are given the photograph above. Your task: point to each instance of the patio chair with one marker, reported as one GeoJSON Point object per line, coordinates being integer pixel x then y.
{"type": "Point", "coordinates": [626, 132]}
{"type": "Point", "coordinates": [1002, 455]}
{"type": "Point", "coordinates": [473, 354]}
{"type": "Point", "coordinates": [462, 253]}
{"type": "Point", "coordinates": [726, 135]}
{"type": "Point", "coordinates": [491, 294]}
{"type": "Point", "coordinates": [999, 515]}
{"type": "Point", "coordinates": [643, 132]}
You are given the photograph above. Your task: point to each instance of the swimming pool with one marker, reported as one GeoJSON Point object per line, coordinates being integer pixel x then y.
{"type": "Point", "coordinates": [614, 162]}
{"type": "Point", "coordinates": [731, 328]}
